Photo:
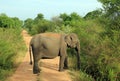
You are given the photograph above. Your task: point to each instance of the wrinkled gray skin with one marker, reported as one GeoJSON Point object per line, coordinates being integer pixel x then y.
{"type": "Point", "coordinates": [51, 45]}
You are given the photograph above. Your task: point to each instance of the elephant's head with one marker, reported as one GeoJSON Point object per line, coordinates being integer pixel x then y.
{"type": "Point", "coordinates": [72, 41]}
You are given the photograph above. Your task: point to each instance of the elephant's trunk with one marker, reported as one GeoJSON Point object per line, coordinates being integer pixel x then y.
{"type": "Point", "coordinates": [78, 55]}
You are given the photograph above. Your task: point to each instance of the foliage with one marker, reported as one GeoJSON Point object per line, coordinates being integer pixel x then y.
{"type": "Point", "coordinates": [7, 22]}
{"type": "Point", "coordinates": [110, 54]}
{"type": "Point", "coordinates": [38, 25]}
{"type": "Point", "coordinates": [57, 21]}
{"type": "Point", "coordinates": [80, 76]}
{"type": "Point", "coordinates": [112, 13]}
{"type": "Point", "coordinates": [111, 7]}
{"type": "Point", "coordinates": [93, 14]}
{"type": "Point", "coordinates": [39, 17]}
{"type": "Point", "coordinates": [11, 47]}
{"type": "Point", "coordinates": [69, 19]}
{"type": "Point", "coordinates": [28, 23]}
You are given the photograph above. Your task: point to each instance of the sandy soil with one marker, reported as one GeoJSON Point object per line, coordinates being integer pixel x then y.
{"type": "Point", "coordinates": [49, 68]}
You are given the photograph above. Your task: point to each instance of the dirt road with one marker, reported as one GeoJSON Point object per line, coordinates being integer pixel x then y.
{"type": "Point", "coordinates": [49, 68]}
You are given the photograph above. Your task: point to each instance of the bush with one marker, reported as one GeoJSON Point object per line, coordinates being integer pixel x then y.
{"type": "Point", "coordinates": [99, 54]}
{"type": "Point", "coordinates": [11, 46]}
{"type": "Point", "coordinates": [80, 76]}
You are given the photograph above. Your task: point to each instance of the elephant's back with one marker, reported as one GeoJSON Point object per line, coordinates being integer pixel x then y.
{"type": "Point", "coordinates": [51, 35]}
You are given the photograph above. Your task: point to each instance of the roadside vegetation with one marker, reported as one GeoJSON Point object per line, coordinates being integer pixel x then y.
{"type": "Point", "coordinates": [98, 32]}
{"type": "Point", "coordinates": [12, 47]}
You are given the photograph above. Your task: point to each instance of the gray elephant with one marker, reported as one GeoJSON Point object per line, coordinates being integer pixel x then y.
{"type": "Point", "coordinates": [51, 45]}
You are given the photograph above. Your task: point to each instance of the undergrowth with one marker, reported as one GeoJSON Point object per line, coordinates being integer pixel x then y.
{"type": "Point", "coordinates": [12, 48]}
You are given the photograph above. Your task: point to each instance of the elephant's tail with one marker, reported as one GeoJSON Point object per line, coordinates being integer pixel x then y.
{"type": "Point", "coordinates": [30, 54]}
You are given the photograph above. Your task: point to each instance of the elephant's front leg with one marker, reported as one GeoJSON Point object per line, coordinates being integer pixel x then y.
{"type": "Point", "coordinates": [61, 63]}
{"type": "Point", "coordinates": [66, 63]}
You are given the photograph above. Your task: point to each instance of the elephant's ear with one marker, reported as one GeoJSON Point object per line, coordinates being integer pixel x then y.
{"type": "Point", "coordinates": [68, 40]}
{"type": "Point", "coordinates": [74, 38]}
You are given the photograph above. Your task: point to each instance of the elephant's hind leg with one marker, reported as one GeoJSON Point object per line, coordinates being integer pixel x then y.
{"type": "Point", "coordinates": [36, 68]}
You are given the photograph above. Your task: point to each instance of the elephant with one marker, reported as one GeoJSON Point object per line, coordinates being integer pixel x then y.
{"type": "Point", "coordinates": [50, 45]}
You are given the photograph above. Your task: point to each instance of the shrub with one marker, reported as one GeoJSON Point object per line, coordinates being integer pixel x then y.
{"type": "Point", "coordinates": [11, 46]}
{"type": "Point", "coordinates": [99, 54]}
{"type": "Point", "coordinates": [80, 76]}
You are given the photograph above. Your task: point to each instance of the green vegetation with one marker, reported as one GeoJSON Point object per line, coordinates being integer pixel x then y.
{"type": "Point", "coordinates": [11, 45]}
{"type": "Point", "coordinates": [38, 25]}
{"type": "Point", "coordinates": [98, 31]}
{"type": "Point", "coordinates": [7, 22]}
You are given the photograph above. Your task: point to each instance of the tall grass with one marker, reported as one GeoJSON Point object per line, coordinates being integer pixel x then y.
{"type": "Point", "coordinates": [11, 47]}
{"type": "Point", "coordinates": [80, 76]}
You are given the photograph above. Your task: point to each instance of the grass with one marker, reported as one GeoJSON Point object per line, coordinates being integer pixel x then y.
{"type": "Point", "coordinates": [80, 76]}
{"type": "Point", "coordinates": [12, 47]}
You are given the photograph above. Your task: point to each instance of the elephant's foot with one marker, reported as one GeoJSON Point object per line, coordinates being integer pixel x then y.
{"type": "Point", "coordinates": [65, 67]}
{"type": "Point", "coordinates": [36, 71]}
{"type": "Point", "coordinates": [60, 70]}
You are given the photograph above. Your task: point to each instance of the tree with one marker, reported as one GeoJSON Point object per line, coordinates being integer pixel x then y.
{"type": "Point", "coordinates": [39, 17]}
{"type": "Point", "coordinates": [17, 23]}
{"type": "Point", "coordinates": [93, 14]}
{"type": "Point", "coordinates": [75, 16]}
{"type": "Point", "coordinates": [8, 22]}
{"type": "Point", "coordinates": [28, 23]}
{"type": "Point", "coordinates": [68, 19]}
{"type": "Point", "coordinates": [44, 26]}
{"type": "Point", "coordinates": [65, 17]}
{"type": "Point", "coordinates": [111, 7]}
{"type": "Point", "coordinates": [112, 12]}
{"type": "Point", "coordinates": [57, 21]}
{"type": "Point", "coordinates": [5, 21]}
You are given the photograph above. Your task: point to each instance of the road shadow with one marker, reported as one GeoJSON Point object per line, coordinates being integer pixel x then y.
{"type": "Point", "coordinates": [49, 65]}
